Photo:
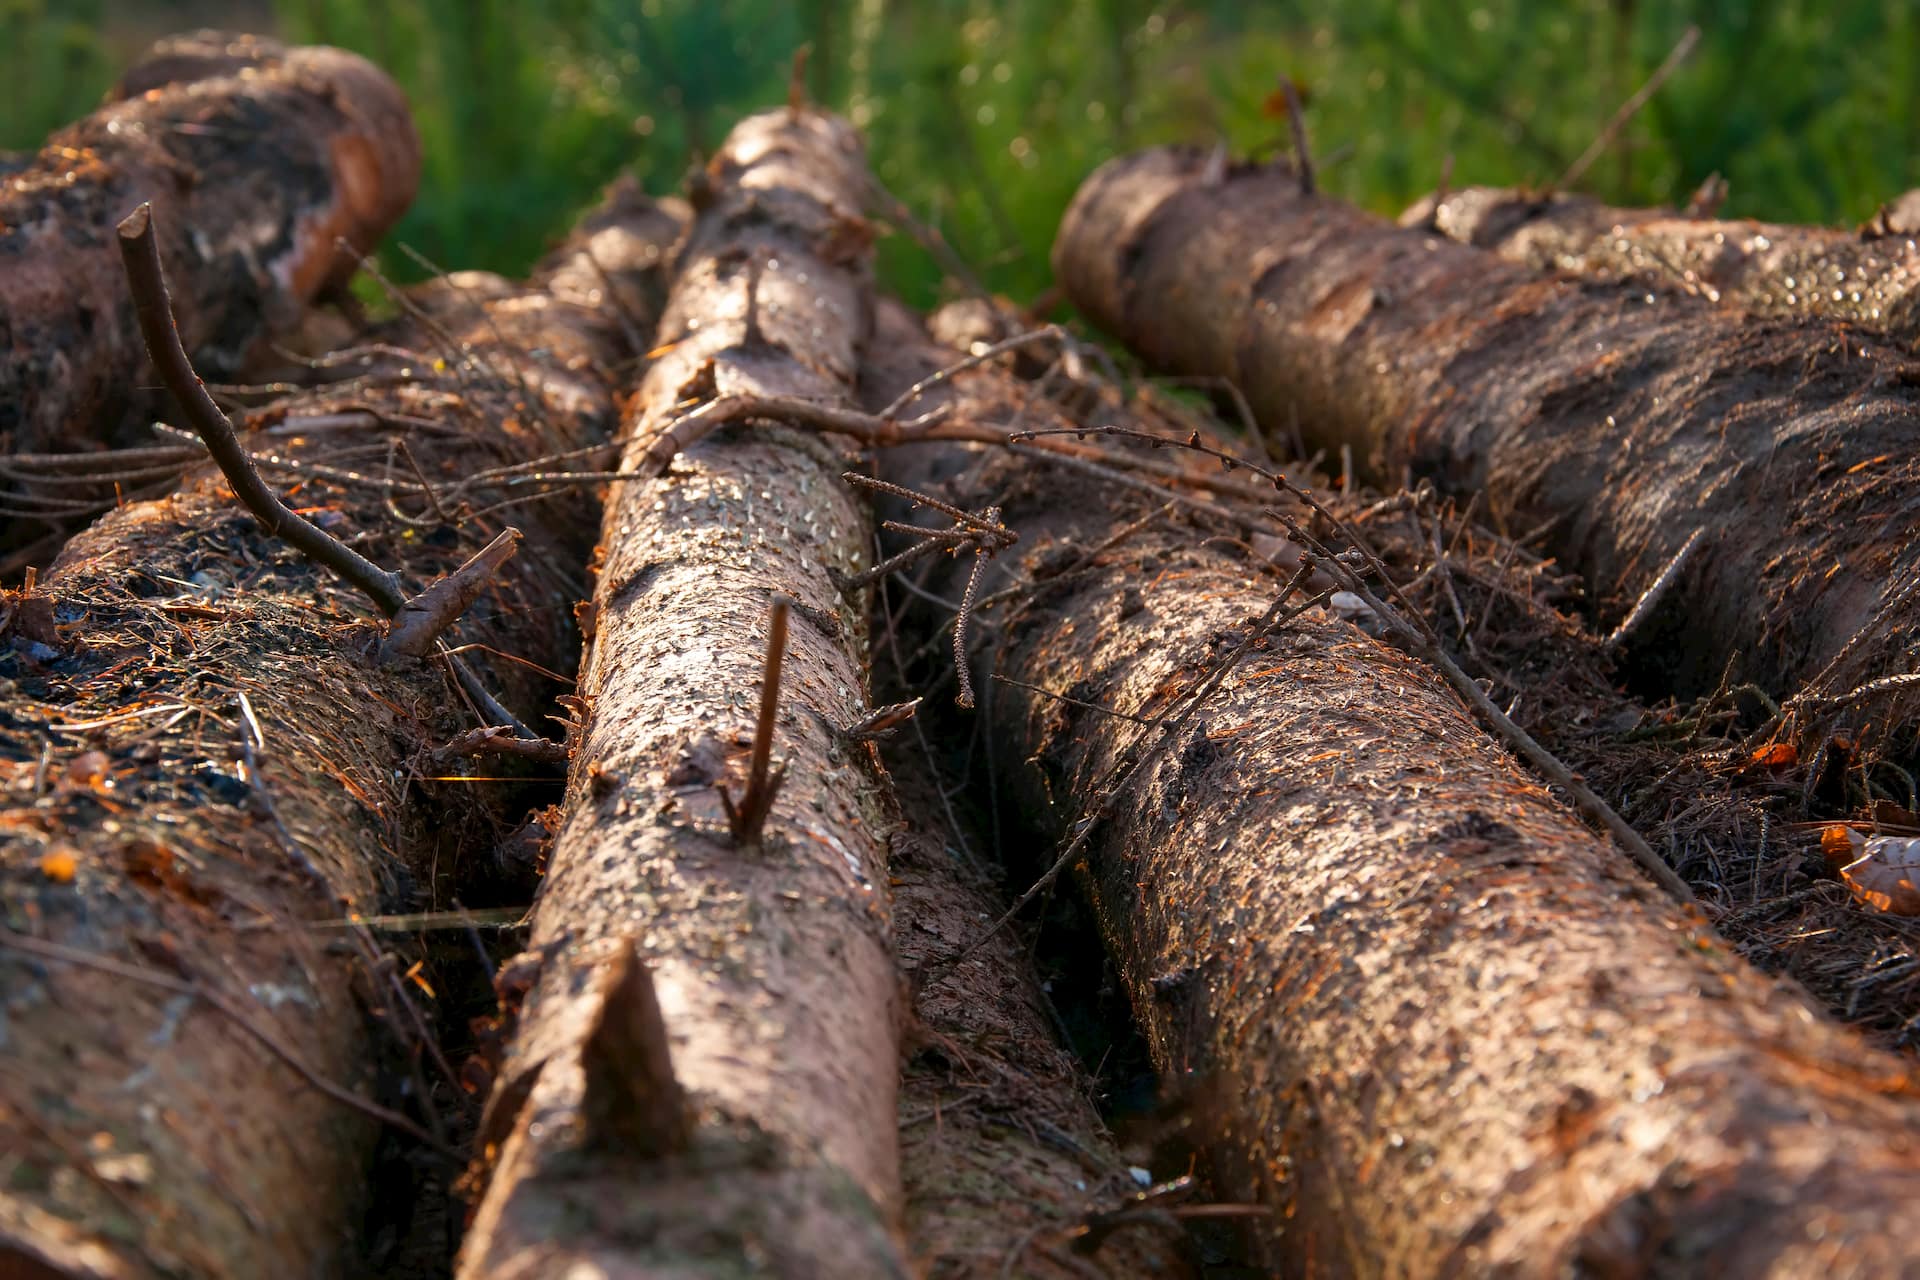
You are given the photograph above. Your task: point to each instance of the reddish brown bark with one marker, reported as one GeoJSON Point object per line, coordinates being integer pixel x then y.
{"type": "Point", "coordinates": [771, 960]}
{"type": "Point", "coordinates": [1866, 278]}
{"type": "Point", "coordinates": [1434, 1023]}
{"type": "Point", "coordinates": [254, 173]}
{"type": "Point", "coordinates": [1625, 423]}
{"type": "Point", "coordinates": [206, 768]}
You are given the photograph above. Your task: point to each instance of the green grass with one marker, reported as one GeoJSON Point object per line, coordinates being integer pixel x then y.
{"type": "Point", "coordinates": [984, 117]}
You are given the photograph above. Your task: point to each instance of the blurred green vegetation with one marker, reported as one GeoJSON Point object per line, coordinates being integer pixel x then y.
{"type": "Point", "coordinates": [984, 117]}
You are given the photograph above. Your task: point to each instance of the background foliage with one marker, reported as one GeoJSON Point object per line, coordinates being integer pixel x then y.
{"type": "Point", "coordinates": [984, 117]}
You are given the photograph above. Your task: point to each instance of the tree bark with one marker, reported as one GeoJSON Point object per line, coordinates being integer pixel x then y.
{"type": "Point", "coordinates": [255, 170]}
{"type": "Point", "coordinates": [1626, 424]}
{"type": "Point", "coordinates": [1412, 1005]}
{"type": "Point", "coordinates": [770, 958]}
{"type": "Point", "coordinates": [205, 765]}
{"type": "Point", "coordinates": [1003, 1156]}
{"type": "Point", "coordinates": [1868, 280]}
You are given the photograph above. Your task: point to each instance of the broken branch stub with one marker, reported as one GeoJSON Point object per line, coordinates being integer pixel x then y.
{"type": "Point", "coordinates": [1405, 1000]}
{"type": "Point", "coordinates": [771, 962]}
{"type": "Point", "coordinates": [254, 175]}
{"type": "Point", "coordinates": [206, 771]}
{"type": "Point", "coordinates": [1625, 423]}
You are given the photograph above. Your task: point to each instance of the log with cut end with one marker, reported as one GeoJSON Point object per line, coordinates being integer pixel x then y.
{"type": "Point", "coordinates": [1007, 1168]}
{"type": "Point", "coordinates": [1624, 423]}
{"type": "Point", "coordinates": [257, 160]}
{"type": "Point", "coordinates": [1411, 1004]}
{"type": "Point", "coordinates": [1760, 268]}
{"type": "Point", "coordinates": [207, 771]}
{"type": "Point", "coordinates": [769, 959]}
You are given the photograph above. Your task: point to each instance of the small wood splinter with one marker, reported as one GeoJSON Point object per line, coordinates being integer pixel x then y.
{"type": "Point", "coordinates": [746, 819]}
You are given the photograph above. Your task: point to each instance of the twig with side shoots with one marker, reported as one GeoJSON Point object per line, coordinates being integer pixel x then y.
{"type": "Point", "coordinates": [140, 253]}
{"type": "Point", "coordinates": [746, 819]}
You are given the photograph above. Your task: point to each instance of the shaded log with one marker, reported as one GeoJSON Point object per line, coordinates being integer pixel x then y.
{"type": "Point", "coordinates": [1435, 1024]}
{"type": "Point", "coordinates": [1002, 1155]}
{"type": "Point", "coordinates": [205, 769]}
{"type": "Point", "coordinates": [1761, 268]}
{"type": "Point", "coordinates": [1624, 423]}
{"type": "Point", "coordinates": [256, 165]}
{"type": "Point", "coordinates": [770, 958]}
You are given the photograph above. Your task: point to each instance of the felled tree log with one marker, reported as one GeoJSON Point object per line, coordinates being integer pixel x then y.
{"type": "Point", "coordinates": [1626, 424]}
{"type": "Point", "coordinates": [1865, 278]}
{"type": "Point", "coordinates": [1411, 1004]}
{"type": "Point", "coordinates": [205, 766]}
{"type": "Point", "coordinates": [255, 171]}
{"type": "Point", "coordinates": [773, 994]}
{"type": "Point", "coordinates": [1002, 1155]}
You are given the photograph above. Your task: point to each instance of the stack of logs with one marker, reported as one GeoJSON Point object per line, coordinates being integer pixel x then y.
{"type": "Point", "coordinates": [1411, 1002]}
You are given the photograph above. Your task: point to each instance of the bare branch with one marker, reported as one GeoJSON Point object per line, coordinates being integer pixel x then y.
{"type": "Point", "coordinates": [140, 252]}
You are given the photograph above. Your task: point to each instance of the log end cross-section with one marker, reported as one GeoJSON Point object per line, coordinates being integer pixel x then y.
{"type": "Point", "coordinates": [258, 160]}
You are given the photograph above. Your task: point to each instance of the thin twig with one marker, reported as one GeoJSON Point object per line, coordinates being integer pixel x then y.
{"type": "Point", "coordinates": [1302, 153]}
{"type": "Point", "coordinates": [1124, 770]}
{"type": "Point", "coordinates": [1656, 591]}
{"type": "Point", "coordinates": [964, 698]}
{"type": "Point", "coordinates": [59, 954]}
{"type": "Point", "coordinates": [498, 740]}
{"type": "Point", "coordinates": [140, 252]}
{"type": "Point", "coordinates": [1628, 109]}
{"type": "Point", "coordinates": [1428, 649]}
{"type": "Point", "coordinates": [747, 818]}
{"type": "Point", "coordinates": [1050, 333]}
{"type": "Point", "coordinates": [1078, 702]}
{"type": "Point", "coordinates": [422, 620]}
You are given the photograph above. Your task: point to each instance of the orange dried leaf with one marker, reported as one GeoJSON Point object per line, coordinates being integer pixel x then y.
{"type": "Point", "coordinates": [1776, 755]}
{"type": "Point", "coordinates": [1836, 845]}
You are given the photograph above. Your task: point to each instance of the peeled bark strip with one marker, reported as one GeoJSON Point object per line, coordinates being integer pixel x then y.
{"type": "Point", "coordinates": [771, 962]}
{"type": "Point", "coordinates": [1001, 1153]}
{"type": "Point", "coordinates": [1626, 424]}
{"type": "Point", "coordinates": [254, 173]}
{"type": "Point", "coordinates": [202, 759]}
{"type": "Point", "coordinates": [1437, 1025]}
{"type": "Point", "coordinates": [1761, 268]}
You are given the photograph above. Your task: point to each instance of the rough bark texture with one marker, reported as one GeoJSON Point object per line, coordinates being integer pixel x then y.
{"type": "Point", "coordinates": [1437, 1025]}
{"type": "Point", "coordinates": [1865, 278]}
{"type": "Point", "coordinates": [1002, 1155]}
{"type": "Point", "coordinates": [157, 824]}
{"type": "Point", "coordinates": [255, 170]}
{"type": "Point", "coordinates": [771, 961]}
{"type": "Point", "coordinates": [1625, 423]}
